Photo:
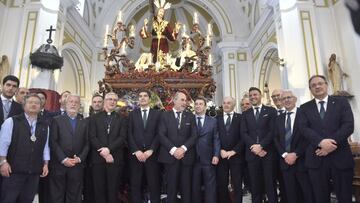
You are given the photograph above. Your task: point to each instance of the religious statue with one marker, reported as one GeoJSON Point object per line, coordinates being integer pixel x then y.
{"type": "Point", "coordinates": [267, 94]}
{"type": "Point", "coordinates": [4, 67]}
{"type": "Point", "coordinates": [336, 74]}
{"type": "Point", "coordinates": [161, 33]}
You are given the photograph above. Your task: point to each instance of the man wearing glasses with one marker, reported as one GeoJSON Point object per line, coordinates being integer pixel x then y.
{"type": "Point", "coordinates": [327, 122]}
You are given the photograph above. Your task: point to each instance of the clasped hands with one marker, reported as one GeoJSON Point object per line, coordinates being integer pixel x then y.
{"type": "Point", "coordinates": [179, 153]}
{"type": "Point", "coordinates": [143, 156]}
{"type": "Point", "coordinates": [326, 147]}
{"type": "Point", "coordinates": [227, 154]}
{"type": "Point", "coordinates": [258, 150]}
{"type": "Point", "coordinates": [71, 162]}
{"type": "Point", "coordinates": [105, 153]}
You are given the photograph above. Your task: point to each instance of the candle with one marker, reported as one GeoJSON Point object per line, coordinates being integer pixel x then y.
{"type": "Point", "coordinates": [207, 40]}
{"type": "Point", "coordinates": [132, 31]}
{"type": "Point", "coordinates": [210, 60]}
{"type": "Point", "coordinates": [209, 29]}
{"type": "Point", "coordinates": [196, 19]}
{"type": "Point", "coordinates": [119, 17]}
{"type": "Point", "coordinates": [184, 31]}
{"type": "Point", "coordinates": [106, 36]}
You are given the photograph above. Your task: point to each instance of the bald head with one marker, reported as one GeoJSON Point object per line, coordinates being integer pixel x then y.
{"type": "Point", "coordinates": [228, 104]}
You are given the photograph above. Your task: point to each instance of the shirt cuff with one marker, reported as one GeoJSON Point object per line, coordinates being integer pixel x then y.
{"type": "Point", "coordinates": [172, 151]}
{"type": "Point", "coordinates": [184, 147]}
{"type": "Point", "coordinates": [79, 159]}
{"type": "Point", "coordinates": [63, 161]}
{"type": "Point", "coordinates": [284, 155]}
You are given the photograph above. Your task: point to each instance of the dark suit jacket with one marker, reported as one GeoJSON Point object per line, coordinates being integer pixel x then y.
{"type": "Point", "coordinates": [260, 132]}
{"type": "Point", "coordinates": [338, 124]}
{"type": "Point", "coordinates": [232, 140]}
{"type": "Point", "coordinates": [208, 142]}
{"type": "Point", "coordinates": [141, 138]}
{"type": "Point", "coordinates": [170, 136]}
{"type": "Point", "coordinates": [15, 109]}
{"type": "Point", "coordinates": [298, 142]}
{"type": "Point", "coordinates": [99, 137]}
{"type": "Point", "coordinates": [64, 142]}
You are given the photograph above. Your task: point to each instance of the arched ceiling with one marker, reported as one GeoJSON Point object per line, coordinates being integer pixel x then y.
{"type": "Point", "coordinates": [234, 18]}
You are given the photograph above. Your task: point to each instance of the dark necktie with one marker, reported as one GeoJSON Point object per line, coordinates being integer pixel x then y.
{"type": "Point", "coordinates": [178, 113]}
{"type": "Point", "coordinates": [144, 117]}
{"type": "Point", "coordinates": [288, 134]}
{"type": "Point", "coordinates": [199, 124]}
{"type": "Point", "coordinates": [257, 113]}
{"type": "Point", "coordinates": [228, 122]}
{"type": "Point", "coordinates": [280, 111]}
{"type": "Point", "coordinates": [322, 109]}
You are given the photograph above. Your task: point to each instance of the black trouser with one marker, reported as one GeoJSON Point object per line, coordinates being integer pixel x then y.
{"type": "Point", "coordinates": [342, 181]}
{"type": "Point", "coordinates": [66, 184]}
{"type": "Point", "coordinates": [204, 174]}
{"type": "Point", "coordinates": [88, 189]}
{"type": "Point", "coordinates": [43, 190]}
{"type": "Point", "coordinates": [19, 188]}
{"type": "Point", "coordinates": [224, 168]}
{"type": "Point", "coordinates": [106, 182]}
{"type": "Point", "coordinates": [262, 174]}
{"type": "Point", "coordinates": [297, 186]}
{"type": "Point", "coordinates": [178, 174]}
{"type": "Point", "coordinates": [151, 170]}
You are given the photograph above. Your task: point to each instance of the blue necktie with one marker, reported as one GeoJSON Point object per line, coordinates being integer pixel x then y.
{"type": "Point", "coordinates": [322, 109]}
{"type": "Point", "coordinates": [288, 134]}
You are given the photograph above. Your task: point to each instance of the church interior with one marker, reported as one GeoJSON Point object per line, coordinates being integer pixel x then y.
{"type": "Point", "coordinates": [269, 44]}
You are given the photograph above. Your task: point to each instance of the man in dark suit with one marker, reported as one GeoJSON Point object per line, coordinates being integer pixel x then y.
{"type": "Point", "coordinates": [177, 135]}
{"type": "Point", "coordinates": [107, 133]}
{"type": "Point", "coordinates": [326, 123]}
{"type": "Point", "coordinates": [144, 143]}
{"type": "Point", "coordinates": [69, 146]}
{"type": "Point", "coordinates": [231, 153]}
{"type": "Point", "coordinates": [290, 145]}
{"type": "Point", "coordinates": [257, 131]}
{"type": "Point", "coordinates": [8, 107]}
{"type": "Point", "coordinates": [207, 154]}
{"type": "Point", "coordinates": [44, 114]}
{"type": "Point", "coordinates": [97, 105]}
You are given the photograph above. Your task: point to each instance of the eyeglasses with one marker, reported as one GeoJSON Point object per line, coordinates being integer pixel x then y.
{"type": "Point", "coordinates": [287, 98]}
{"type": "Point", "coordinates": [275, 96]}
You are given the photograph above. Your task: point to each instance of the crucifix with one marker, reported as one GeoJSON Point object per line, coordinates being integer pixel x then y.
{"type": "Point", "coordinates": [49, 41]}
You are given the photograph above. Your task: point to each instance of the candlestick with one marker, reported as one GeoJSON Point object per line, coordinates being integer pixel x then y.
{"type": "Point", "coordinates": [106, 36]}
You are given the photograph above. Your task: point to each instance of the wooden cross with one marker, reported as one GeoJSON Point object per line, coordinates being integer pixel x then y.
{"type": "Point", "coordinates": [49, 41]}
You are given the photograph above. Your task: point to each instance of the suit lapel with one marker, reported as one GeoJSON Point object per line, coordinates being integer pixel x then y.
{"type": "Point", "coordinates": [252, 116]}
{"type": "Point", "coordinates": [66, 120]}
{"type": "Point", "coordinates": [221, 123]}
{"type": "Point", "coordinates": [315, 110]}
{"type": "Point", "coordinates": [329, 108]}
{"type": "Point", "coordinates": [139, 117]}
{"type": "Point", "coordinates": [1, 111]}
{"type": "Point", "coordinates": [282, 132]}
